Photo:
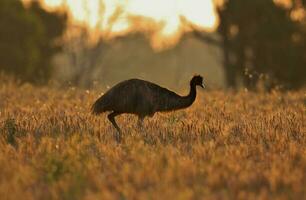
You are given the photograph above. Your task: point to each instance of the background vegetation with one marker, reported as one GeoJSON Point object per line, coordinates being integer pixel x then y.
{"type": "Point", "coordinates": [257, 42]}
{"type": "Point", "coordinates": [262, 39]}
{"type": "Point", "coordinates": [226, 146]}
{"type": "Point", "coordinates": [27, 40]}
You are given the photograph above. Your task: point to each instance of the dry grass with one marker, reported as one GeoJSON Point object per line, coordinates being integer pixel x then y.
{"type": "Point", "coordinates": [226, 146]}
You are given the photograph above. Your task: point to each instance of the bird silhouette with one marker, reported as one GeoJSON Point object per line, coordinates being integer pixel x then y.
{"type": "Point", "coordinates": [142, 98]}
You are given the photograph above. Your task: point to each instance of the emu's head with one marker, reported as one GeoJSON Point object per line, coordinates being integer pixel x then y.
{"type": "Point", "coordinates": [197, 80]}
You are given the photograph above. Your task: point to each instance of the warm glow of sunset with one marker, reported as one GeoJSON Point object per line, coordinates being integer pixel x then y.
{"type": "Point", "coordinates": [162, 19]}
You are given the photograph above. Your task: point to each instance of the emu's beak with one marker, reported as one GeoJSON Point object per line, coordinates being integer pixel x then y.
{"type": "Point", "coordinates": [203, 86]}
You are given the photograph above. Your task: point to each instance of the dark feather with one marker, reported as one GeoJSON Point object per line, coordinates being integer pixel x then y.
{"type": "Point", "coordinates": [143, 98]}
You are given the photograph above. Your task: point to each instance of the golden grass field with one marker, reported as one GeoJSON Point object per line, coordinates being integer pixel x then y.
{"type": "Point", "coordinates": [225, 146]}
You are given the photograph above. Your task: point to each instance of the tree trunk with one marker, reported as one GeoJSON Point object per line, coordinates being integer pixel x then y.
{"type": "Point", "coordinates": [229, 68]}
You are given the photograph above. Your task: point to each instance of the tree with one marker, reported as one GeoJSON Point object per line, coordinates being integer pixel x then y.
{"type": "Point", "coordinates": [27, 40]}
{"type": "Point", "coordinates": [261, 38]}
{"type": "Point", "coordinates": [85, 52]}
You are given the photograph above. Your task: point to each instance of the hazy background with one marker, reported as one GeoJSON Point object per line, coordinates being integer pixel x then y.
{"type": "Point", "coordinates": [232, 43]}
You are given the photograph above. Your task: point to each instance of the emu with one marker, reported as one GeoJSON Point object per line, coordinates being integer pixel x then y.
{"type": "Point", "coordinates": [142, 98]}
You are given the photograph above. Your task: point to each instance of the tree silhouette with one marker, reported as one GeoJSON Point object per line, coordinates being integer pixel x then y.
{"type": "Point", "coordinates": [261, 38]}
{"type": "Point", "coordinates": [84, 54]}
{"type": "Point", "coordinates": [27, 40]}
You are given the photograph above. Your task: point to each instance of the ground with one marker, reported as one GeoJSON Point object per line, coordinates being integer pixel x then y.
{"type": "Point", "coordinates": [227, 145]}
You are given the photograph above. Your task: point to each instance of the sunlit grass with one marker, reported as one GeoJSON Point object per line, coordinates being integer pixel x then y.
{"type": "Point", "coordinates": [226, 146]}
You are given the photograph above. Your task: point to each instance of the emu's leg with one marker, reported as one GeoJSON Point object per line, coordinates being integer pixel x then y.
{"type": "Point", "coordinates": [111, 118]}
{"type": "Point", "coordinates": [140, 125]}
{"type": "Point", "coordinates": [140, 122]}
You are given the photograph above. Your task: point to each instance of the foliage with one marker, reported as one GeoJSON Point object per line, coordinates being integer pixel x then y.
{"type": "Point", "coordinates": [27, 40]}
{"type": "Point", "coordinates": [226, 146]}
{"type": "Point", "coordinates": [262, 39]}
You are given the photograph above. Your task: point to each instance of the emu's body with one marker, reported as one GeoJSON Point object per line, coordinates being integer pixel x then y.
{"type": "Point", "coordinates": [142, 98]}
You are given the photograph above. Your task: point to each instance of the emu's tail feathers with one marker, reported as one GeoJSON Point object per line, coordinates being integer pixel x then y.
{"type": "Point", "coordinates": [98, 107]}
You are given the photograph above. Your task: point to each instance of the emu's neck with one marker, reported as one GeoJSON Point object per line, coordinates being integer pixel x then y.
{"type": "Point", "coordinates": [181, 101]}
{"type": "Point", "coordinates": [189, 99]}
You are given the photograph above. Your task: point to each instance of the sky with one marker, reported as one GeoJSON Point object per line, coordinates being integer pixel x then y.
{"type": "Point", "coordinates": [164, 20]}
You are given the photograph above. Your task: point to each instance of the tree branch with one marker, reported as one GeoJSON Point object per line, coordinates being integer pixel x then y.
{"type": "Point", "coordinates": [207, 39]}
